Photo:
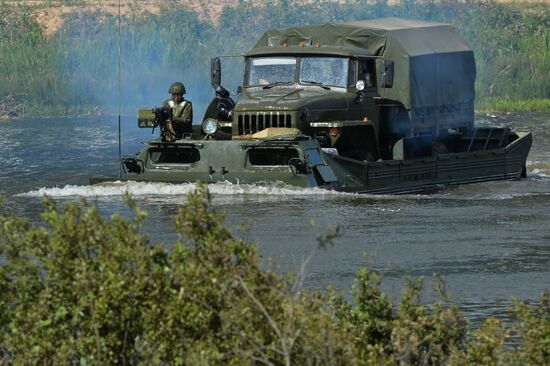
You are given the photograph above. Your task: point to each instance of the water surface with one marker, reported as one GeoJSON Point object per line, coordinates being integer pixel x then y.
{"type": "Point", "coordinates": [489, 242]}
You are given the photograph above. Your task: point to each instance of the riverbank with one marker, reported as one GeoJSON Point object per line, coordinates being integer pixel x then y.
{"type": "Point", "coordinates": [70, 67]}
{"type": "Point", "coordinates": [499, 104]}
{"type": "Point", "coordinates": [11, 110]}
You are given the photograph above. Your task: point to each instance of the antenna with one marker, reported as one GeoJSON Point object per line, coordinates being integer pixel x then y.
{"type": "Point", "coordinates": [119, 94]}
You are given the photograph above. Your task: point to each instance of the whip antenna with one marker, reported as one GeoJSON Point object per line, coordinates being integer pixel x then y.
{"type": "Point", "coordinates": [119, 95]}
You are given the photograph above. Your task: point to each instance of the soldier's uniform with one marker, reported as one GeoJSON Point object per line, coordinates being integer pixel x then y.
{"type": "Point", "coordinates": [182, 114]}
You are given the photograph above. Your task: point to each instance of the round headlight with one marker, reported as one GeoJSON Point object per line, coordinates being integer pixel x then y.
{"type": "Point", "coordinates": [360, 85]}
{"type": "Point", "coordinates": [210, 126]}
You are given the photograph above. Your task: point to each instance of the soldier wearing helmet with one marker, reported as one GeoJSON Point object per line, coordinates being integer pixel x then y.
{"type": "Point", "coordinates": [182, 113]}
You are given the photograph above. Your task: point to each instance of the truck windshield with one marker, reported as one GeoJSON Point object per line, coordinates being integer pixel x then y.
{"type": "Point", "coordinates": [320, 70]}
{"type": "Point", "coordinates": [270, 70]}
{"type": "Point", "coordinates": [328, 71]}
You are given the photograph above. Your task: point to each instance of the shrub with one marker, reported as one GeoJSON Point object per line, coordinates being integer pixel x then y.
{"type": "Point", "coordinates": [80, 289]}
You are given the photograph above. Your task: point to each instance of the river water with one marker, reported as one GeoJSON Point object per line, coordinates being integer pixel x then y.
{"type": "Point", "coordinates": [489, 242]}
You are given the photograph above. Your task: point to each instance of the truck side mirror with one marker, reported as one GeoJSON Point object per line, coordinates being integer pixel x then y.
{"type": "Point", "coordinates": [388, 74]}
{"type": "Point", "coordinates": [215, 72]}
{"type": "Point", "coordinates": [384, 73]}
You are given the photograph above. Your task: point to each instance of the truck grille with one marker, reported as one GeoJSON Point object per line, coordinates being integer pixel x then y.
{"type": "Point", "coordinates": [253, 122]}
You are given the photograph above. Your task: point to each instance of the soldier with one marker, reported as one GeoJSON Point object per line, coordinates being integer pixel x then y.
{"type": "Point", "coordinates": [182, 113]}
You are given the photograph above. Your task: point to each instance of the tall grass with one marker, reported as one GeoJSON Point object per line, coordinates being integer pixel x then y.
{"type": "Point", "coordinates": [28, 67]}
{"type": "Point", "coordinates": [512, 47]}
{"type": "Point", "coordinates": [500, 104]}
{"type": "Point", "coordinates": [78, 66]}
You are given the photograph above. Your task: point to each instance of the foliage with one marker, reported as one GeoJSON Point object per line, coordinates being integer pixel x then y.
{"type": "Point", "coordinates": [77, 68]}
{"type": "Point", "coordinates": [534, 330]}
{"type": "Point", "coordinates": [82, 289]}
{"type": "Point", "coordinates": [498, 104]}
{"type": "Point", "coordinates": [29, 75]}
{"type": "Point", "coordinates": [511, 43]}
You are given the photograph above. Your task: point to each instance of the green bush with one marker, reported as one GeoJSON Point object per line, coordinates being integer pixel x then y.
{"type": "Point", "coordinates": [497, 104]}
{"type": "Point", "coordinates": [80, 289]}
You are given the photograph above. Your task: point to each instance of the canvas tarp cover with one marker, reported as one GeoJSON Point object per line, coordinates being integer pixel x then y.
{"type": "Point", "coordinates": [433, 66]}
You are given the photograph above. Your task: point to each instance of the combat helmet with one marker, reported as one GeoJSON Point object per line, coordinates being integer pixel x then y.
{"type": "Point", "coordinates": [177, 88]}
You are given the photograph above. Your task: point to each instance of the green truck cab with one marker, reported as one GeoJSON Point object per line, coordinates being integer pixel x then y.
{"type": "Point", "coordinates": [359, 86]}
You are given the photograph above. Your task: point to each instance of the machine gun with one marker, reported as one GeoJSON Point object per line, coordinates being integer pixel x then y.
{"type": "Point", "coordinates": [155, 117]}
{"type": "Point", "coordinates": [162, 115]}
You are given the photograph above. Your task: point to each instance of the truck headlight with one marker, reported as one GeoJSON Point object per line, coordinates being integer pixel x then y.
{"type": "Point", "coordinates": [210, 126]}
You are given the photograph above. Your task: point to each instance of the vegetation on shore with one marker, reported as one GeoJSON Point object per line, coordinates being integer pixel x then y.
{"type": "Point", "coordinates": [76, 69]}
{"type": "Point", "coordinates": [500, 104]}
{"type": "Point", "coordinates": [82, 289]}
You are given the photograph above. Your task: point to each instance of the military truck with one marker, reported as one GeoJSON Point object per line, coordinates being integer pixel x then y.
{"type": "Point", "coordinates": [373, 106]}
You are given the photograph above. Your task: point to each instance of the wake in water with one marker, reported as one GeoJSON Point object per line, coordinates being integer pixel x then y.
{"type": "Point", "coordinates": [137, 189]}
{"type": "Point", "coordinates": [537, 171]}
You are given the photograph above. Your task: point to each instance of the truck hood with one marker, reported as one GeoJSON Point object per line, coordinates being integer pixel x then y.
{"type": "Point", "coordinates": [290, 98]}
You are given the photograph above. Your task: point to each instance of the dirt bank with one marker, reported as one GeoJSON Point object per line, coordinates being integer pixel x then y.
{"type": "Point", "coordinates": [51, 13]}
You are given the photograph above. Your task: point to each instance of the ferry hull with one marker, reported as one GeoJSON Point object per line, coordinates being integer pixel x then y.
{"type": "Point", "coordinates": [304, 163]}
{"type": "Point", "coordinates": [414, 175]}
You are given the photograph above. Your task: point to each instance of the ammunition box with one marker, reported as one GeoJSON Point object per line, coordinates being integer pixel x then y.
{"type": "Point", "coordinates": [146, 118]}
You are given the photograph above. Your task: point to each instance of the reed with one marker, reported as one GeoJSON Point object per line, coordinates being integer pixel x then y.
{"type": "Point", "coordinates": [500, 104]}
{"type": "Point", "coordinates": [78, 65]}
{"type": "Point", "coordinates": [28, 69]}
{"type": "Point", "coordinates": [512, 48]}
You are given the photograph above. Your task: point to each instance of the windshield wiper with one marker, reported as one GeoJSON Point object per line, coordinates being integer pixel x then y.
{"type": "Point", "coordinates": [318, 83]}
{"type": "Point", "coordinates": [276, 83]}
